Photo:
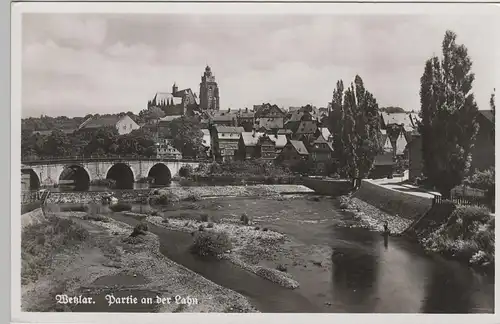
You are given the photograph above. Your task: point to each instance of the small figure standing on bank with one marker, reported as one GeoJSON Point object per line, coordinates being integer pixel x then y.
{"type": "Point", "coordinates": [386, 228]}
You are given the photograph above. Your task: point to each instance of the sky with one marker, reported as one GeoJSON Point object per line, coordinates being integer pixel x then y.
{"type": "Point", "coordinates": [76, 64]}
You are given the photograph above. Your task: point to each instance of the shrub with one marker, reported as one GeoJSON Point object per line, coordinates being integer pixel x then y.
{"type": "Point", "coordinates": [211, 244]}
{"type": "Point", "coordinates": [281, 267]}
{"type": "Point", "coordinates": [120, 207]}
{"type": "Point", "coordinates": [204, 218]}
{"type": "Point", "coordinates": [139, 229]}
{"type": "Point", "coordinates": [185, 171]}
{"type": "Point", "coordinates": [162, 197]}
{"type": "Point", "coordinates": [245, 219]}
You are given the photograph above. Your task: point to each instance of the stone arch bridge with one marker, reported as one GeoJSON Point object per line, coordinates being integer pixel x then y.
{"type": "Point", "coordinates": [83, 172]}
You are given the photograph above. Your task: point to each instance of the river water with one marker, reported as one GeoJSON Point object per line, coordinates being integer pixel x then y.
{"type": "Point", "coordinates": [362, 272]}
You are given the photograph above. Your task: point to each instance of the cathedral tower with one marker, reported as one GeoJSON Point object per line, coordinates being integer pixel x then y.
{"type": "Point", "coordinates": [209, 91]}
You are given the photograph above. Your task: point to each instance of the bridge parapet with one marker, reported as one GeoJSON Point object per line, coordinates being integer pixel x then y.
{"type": "Point", "coordinates": [115, 159]}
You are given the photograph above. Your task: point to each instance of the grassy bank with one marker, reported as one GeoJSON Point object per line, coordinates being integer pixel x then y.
{"type": "Point", "coordinates": [41, 242]}
{"type": "Point", "coordinates": [467, 234]}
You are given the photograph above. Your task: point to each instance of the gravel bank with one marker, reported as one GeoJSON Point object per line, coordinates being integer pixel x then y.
{"type": "Point", "coordinates": [181, 193]}
{"type": "Point", "coordinates": [371, 217]}
{"type": "Point", "coordinates": [242, 238]}
{"type": "Point", "coordinates": [163, 276]}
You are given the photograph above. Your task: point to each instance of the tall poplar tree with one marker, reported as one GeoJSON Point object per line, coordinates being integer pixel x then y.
{"type": "Point", "coordinates": [356, 132]}
{"type": "Point", "coordinates": [448, 113]}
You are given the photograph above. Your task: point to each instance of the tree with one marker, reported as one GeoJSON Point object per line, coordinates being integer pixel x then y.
{"type": "Point", "coordinates": [187, 136]}
{"type": "Point", "coordinates": [335, 121]}
{"type": "Point", "coordinates": [57, 144]}
{"type": "Point", "coordinates": [361, 141]}
{"type": "Point", "coordinates": [355, 128]}
{"type": "Point", "coordinates": [448, 116]}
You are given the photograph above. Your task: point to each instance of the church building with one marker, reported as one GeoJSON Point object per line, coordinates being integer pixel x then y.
{"type": "Point", "coordinates": [177, 102]}
{"type": "Point", "coordinates": [209, 91]}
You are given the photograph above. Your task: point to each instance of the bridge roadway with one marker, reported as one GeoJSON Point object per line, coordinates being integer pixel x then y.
{"type": "Point", "coordinates": [49, 172]}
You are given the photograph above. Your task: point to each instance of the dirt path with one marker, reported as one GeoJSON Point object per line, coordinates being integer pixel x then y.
{"type": "Point", "coordinates": [105, 265]}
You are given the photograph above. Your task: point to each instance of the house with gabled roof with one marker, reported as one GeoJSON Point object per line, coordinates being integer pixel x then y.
{"type": "Point", "coordinates": [124, 124]}
{"type": "Point", "coordinates": [383, 165]}
{"type": "Point", "coordinates": [293, 153]}
{"type": "Point", "coordinates": [269, 116]}
{"type": "Point", "coordinates": [321, 154]}
{"type": "Point", "coordinates": [248, 145]}
{"type": "Point", "coordinates": [225, 142]}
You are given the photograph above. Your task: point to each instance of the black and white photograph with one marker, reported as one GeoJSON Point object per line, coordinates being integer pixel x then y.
{"type": "Point", "coordinates": [180, 158]}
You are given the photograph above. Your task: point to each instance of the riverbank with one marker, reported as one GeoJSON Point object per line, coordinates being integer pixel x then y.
{"type": "Point", "coordinates": [253, 247]}
{"type": "Point", "coordinates": [462, 233]}
{"type": "Point", "coordinates": [179, 193]}
{"type": "Point", "coordinates": [107, 261]}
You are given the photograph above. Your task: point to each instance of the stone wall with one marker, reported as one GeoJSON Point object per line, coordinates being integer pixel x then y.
{"type": "Point", "coordinates": [328, 187]}
{"type": "Point", "coordinates": [393, 202]}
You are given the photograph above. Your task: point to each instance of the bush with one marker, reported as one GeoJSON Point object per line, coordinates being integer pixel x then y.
{"type": "Point", "coordinates": [281, 267]}
{"type": "Point", "coordinates": [162, 197]}
{"type": "Point", "coordinates": [120, 207]}
{"type": "Point", "coordinates": [245, 219]}
{"type": "Point", "coordinates": [211, 244]}
{"type": "Point", "coordinates": [204, 217]}
{"type": "Point", "coordinates": [468, 235]}
{"type": "Point", "coordinates": [185, 171]}
{"type": "Point", "coordinates": [139, 229]}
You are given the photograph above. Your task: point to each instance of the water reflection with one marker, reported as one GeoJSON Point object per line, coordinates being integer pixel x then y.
{"type": "Point", "coordinates": [354, 272]}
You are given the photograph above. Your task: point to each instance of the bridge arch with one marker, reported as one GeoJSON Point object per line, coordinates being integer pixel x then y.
{"type": "Point", "coordinates": [123, 174]}
{"type": "Point", "coordinates": [160, 173]}
{"type": "Point", "coordinates": [34, 179]}
{"type": "Point", "coordinates": [77, 175]}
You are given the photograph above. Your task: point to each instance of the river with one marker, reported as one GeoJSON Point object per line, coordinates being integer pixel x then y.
{"type": "Point", "coordinates": [367, 274]}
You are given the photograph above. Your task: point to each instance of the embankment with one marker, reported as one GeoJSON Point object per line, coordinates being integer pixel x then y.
{"type": "Point", "coordinates": [328, 187]}
{"type": "Point", "coordinates": [35, 216]}
{"type": "Point", "coordinates": [181, 193]}
{"type": "Point", "coordinates": [464, 233]}
{"type": "Point", "coordinates": [393, 202]}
